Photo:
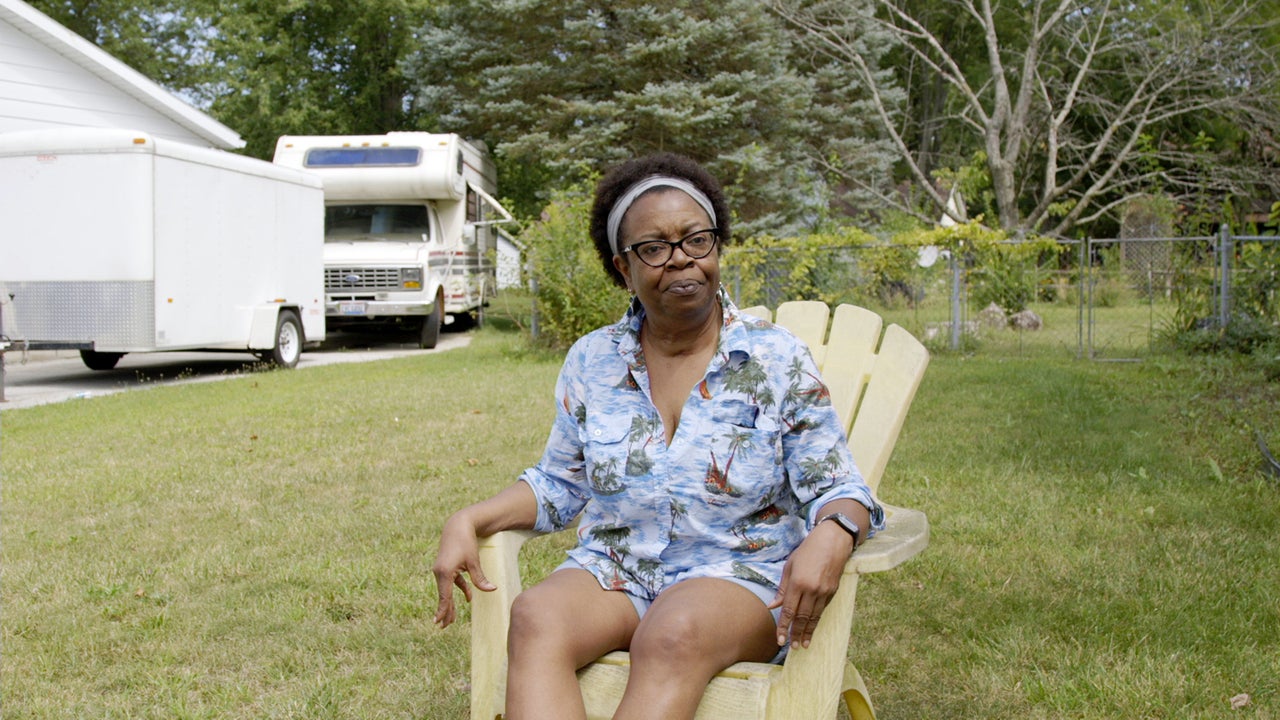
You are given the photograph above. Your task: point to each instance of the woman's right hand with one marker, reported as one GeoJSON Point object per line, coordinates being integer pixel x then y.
{"type": "Point", "coordinates": [459, 554]}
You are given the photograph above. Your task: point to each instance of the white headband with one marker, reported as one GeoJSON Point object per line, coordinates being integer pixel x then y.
{"type": "Point", "coordinates": [624, 203]}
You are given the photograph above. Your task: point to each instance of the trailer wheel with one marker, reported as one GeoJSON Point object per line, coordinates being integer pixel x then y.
{"type": "Point", "coordinates": [431, 324]}
{"type": "Point", "coordinates": [95, 360]}
{"type": "Point", "coordinates": [462, 322]}
{"type": "Point", "coordinates": [288, 340]}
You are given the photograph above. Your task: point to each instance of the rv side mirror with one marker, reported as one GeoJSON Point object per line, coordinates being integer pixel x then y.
{"type": "Point", "coordinates": [469, 234]}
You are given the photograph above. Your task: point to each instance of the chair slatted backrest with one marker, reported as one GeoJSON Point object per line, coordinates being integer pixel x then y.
{"type": "Point", "coordinates": [861, 370]}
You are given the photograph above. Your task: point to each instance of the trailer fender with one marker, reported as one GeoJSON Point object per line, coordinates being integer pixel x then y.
{"type": "Point", "coordinates": [262, 333]}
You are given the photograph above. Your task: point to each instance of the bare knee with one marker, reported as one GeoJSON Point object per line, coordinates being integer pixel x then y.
{"type": "Point", "coordinates": [535, 623]}
{"type": "Point", "coordinates": [677, 641]}
{"type": "Point", "coordinates": [569, 619]}
{"type": "Point", "coordinates": [702, 626]}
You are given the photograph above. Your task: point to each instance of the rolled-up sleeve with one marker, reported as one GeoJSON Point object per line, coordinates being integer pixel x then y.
{"type": "Point", "coordinates": [816, 454]}
{"type": "Point", "coordinates": [558, 479]}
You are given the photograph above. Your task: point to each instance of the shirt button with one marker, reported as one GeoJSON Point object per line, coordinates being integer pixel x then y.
{"type": "Point", "coordinates": [597, 433]}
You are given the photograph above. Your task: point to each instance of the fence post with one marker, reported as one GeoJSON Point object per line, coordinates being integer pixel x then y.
{"type": "Point", "coordinates": [1089, 273]}
{"type": "Point", "coordinates": [1225, 247]}
{"type": "Point", "coordinates": [955, 300]}
{"type": "Point", "coordinates": [1082, 269]}
{"type": "Point", "coordinates": [533, 291]}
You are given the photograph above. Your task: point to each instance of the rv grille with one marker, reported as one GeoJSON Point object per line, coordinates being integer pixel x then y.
{"type": "Point", "coordinates": [349, 279]}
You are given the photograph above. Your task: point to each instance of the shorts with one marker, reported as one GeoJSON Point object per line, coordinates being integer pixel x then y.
{"type": "Point", "coordinates": [764, 592]}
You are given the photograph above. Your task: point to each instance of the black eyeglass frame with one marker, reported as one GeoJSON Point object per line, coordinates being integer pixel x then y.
{"type": "Point", "coordinates": [671, 247]}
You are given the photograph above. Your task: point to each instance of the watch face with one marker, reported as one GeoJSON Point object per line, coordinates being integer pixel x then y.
{"type": "Point", "coordinates": [843, 521]}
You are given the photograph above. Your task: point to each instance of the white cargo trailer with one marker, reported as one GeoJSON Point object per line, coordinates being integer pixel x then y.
{"type": "Point", "coordinates": [410, 232]}
{"type": "Point", "coordinates": [115, 241]}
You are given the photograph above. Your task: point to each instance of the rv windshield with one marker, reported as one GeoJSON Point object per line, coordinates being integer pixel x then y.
{"type": "Point", "coordinates": [347, 223]}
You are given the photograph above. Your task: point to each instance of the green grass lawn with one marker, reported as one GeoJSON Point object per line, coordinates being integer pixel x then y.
{"type": "Point", "coordinates": [1103, 545]}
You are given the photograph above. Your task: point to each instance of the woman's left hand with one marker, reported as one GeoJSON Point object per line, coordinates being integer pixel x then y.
{"type": "Point", "coordinates": [809, 580]}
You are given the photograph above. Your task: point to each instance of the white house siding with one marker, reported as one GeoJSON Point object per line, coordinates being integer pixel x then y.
{"type": "Point", "coordinates": [509, 260]}
{"type": "Point", "coordinates": [50, 77]}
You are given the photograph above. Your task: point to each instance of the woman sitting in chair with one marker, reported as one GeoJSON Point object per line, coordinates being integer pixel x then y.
{"type": "Point", "coordinates": [717, 498]}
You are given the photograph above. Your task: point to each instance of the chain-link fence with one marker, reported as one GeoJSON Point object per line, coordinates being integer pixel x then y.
{"type": "Point", "coordinates": [1112, 299]}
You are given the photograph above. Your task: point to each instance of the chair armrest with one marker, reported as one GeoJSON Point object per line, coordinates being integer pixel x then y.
{"type": "Point", "coordinates": [905, 534]}
{"type": "Point", "coordinates": [502, 547]}
{"type": "Point", "coordinates": [490, 616]}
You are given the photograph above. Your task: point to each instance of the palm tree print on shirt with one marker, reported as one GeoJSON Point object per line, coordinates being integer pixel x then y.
{"type": "Point", "coordinates": [643, 430]}
{"type": "Point", "coordinates": [750, 379]}
{"type": "Point", "coordinates": [614, 537]}
{"type": "Point", "coordinates": [815, 471]}
{"type": "Point", "coordinates": [605, 479]}
{"type": "Point", "coordinates": [650, 571]}
{"type": "Point", "coordinates": [553, 514]}
{"type": "Point", "coordinates": [806, 390]}
{"type": "Point", "coordinates": [679, 511]}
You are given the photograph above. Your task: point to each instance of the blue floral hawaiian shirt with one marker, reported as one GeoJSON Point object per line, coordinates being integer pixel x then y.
{"type": "Point", "coordinates": [758, 451]}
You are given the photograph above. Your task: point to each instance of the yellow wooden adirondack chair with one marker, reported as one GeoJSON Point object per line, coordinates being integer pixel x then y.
{"type": "Point", "coordinates": [856, 364]}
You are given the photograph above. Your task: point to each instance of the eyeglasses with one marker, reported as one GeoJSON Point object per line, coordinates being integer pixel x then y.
{"type": "Point", "coordinates": [656, 253]}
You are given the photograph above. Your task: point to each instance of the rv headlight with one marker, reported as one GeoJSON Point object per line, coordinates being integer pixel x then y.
{"type": "Point", "coordinates": [411, 278]}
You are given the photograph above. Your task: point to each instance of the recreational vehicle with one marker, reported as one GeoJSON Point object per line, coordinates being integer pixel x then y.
{"type": "Point", "coordinates": [410, 236]}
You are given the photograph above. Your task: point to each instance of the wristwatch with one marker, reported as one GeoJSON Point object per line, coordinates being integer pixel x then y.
{"type": "Point", "coordinates": [845, 524]}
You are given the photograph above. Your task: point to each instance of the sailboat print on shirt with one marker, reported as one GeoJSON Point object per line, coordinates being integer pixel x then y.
{"type": "Point", "coordinates": [717, 480]}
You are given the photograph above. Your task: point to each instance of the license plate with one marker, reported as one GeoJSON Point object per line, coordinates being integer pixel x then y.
{"type": "Point", "coordinates": [351, 308]}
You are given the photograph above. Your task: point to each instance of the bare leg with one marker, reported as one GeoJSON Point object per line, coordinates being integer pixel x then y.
{"type": "Point", "coordinates": [558, 626]}
{"type": "Point", "coordinates": [694, 630]}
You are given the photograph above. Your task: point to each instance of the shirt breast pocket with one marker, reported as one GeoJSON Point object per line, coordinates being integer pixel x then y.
{"type": "Point", "coordinates": [743, 415]}
{"type": "Point", "coordinates": [744, 445]}
{"type": "Point", "coordinates": [606, 451]}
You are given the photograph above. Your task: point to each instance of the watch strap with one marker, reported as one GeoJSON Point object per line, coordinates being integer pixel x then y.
{"type": "Point", "coordinates": [845, 523]}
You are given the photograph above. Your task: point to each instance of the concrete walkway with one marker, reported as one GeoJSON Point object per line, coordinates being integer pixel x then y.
{"type": "Point", "coordinates": [41, 377]}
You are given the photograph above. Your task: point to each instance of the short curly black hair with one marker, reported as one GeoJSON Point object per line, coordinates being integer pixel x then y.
{"type": "Point", "coordinates": [620, 179]}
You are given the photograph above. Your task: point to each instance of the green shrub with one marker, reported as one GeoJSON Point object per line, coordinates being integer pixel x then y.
{"type": "Point", "coordinates": [888, 275]}
{"type": "Point", "coordinates": [1267, 358]}
{"type": "Point", "coordinates": [1013, 274]}
{"type": "Point", "coordinates": [1193, 285]}
{"type": "Point", "coordinates": [1256, 279]}
{"type": "Point", "coordinates": [1106, 291]}
{"type": "Point", "coordinates": [1010, 284]}
{"type": "Point", "coordinates": [1001, 271]}
{"type": "Point", "coordinates": [1245, 335]}
{"type": "Point", "coordinates": [768, 271]}
{"type": "Point", "coordinates": [1196, 341]}
{"type": "Point", "coordinates": [574, 295]}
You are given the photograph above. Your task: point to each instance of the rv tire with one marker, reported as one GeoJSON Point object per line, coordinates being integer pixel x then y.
{"type": "Point", "coordinates": [431, 324]}
{"type": "Point", "coordinates": [288, 348]}
{"type": "Point", "coordinates": [95, 360]}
